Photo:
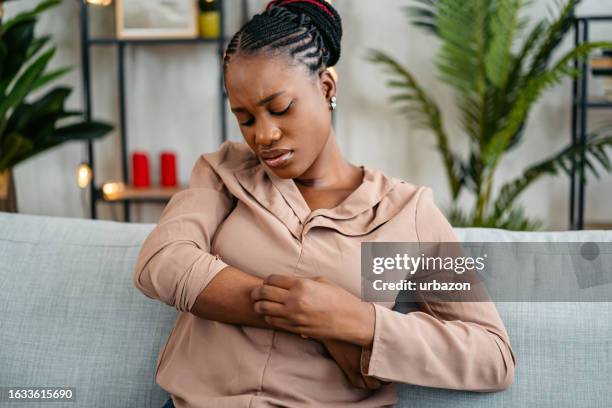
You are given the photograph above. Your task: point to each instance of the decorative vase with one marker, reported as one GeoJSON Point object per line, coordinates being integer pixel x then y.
{"type": "Point", "coordinates": [8, 197]}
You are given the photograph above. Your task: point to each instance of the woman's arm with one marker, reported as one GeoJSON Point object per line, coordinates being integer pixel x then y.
{"type": "Point", "coordinates": [348, 357]}
{"type": "Point", "coordinates": [175, 264]}
{"type": "Point", "coordinates": [456, 345]}
{"type": "Point", "coordinates": [227, 299]}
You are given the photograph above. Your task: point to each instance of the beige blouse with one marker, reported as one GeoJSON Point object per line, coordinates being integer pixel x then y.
{"type": "Point", "coordinates": [238, 212]}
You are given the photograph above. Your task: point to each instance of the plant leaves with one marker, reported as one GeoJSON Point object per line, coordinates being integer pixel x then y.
{"type": "Point", "coordinates": [24, 85]}
{"type": "Point", "coordinates": [13, 146]}
{"type": "Point", "coordinates": [423, 111]}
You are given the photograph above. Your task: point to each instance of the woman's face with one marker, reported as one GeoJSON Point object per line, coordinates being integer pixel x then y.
{"type": "Point", "coordinates": [283, 113]}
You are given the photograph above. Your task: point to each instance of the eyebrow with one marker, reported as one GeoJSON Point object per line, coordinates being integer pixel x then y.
{"type": "Point", "coordinates": [262, 102]}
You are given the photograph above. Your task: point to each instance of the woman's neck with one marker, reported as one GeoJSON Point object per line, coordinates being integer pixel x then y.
{"type": "Point", "coordinates": [329, 170]}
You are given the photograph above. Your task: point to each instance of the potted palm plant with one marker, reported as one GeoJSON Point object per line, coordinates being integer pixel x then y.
{"type": "Point", "coordinates": [32, 120]}
{"type": "Point", "coordinates": [496, 80]}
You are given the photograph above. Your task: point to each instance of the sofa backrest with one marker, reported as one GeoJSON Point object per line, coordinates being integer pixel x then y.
{"type": "Point", "coordinates": [563, 349]}
{"type": "Point", "coordinates": [71, 317]}
{"type": "Point", "coordinates": [70, 314]}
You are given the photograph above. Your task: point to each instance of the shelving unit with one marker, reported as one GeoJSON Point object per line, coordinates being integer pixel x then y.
{"type": "Point", "coordinates": [130, 194]}
{"type": "Point", "coordinates": [153, 194]}
{"type": "Point", "coordinates": [581, 103]}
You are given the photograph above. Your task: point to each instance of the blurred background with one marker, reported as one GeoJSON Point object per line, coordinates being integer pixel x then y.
{"type": "Point", "coordinates": [172, 103]}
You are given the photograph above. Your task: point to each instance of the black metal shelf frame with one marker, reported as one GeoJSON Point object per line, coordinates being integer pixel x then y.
{"type": "Point", "coordinates": [87, 42]}
{"type": "Point", "coordinates": [580, 107]}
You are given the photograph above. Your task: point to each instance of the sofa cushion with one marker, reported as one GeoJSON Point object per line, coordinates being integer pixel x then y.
{"type": "Point", "coordinates": [70, 314]}
{"type": "Point", "coordinates": [563, 349]}
{"type": "Point", "coordinates": [71, 317]}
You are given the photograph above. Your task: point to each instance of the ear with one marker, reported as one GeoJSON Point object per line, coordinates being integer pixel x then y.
{"type": "Point", "coordinates": [328, 83]}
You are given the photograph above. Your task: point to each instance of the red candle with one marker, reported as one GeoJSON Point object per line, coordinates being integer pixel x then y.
{"type": "Point", "coordinates": [140, 169]}
{"type": "Point", "coordinates": [168, 169]}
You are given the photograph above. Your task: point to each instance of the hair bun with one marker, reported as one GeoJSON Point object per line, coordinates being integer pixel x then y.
{"type": "Point", "coordinates": [323, 16]}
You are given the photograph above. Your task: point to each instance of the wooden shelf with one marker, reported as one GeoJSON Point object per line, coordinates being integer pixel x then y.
{"type": "Point", "coordinates": [598, 225]}
{"type": "Point", "coordinates": [122, 193]}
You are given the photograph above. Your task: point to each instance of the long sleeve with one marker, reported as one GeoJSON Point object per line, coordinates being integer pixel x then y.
{"type": "Point", "coordinates": [175, 264]}
{"type": "Point", "coordinates": [454, 345]}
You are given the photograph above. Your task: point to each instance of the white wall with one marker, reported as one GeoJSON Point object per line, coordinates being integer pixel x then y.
{"type": "Point", "coordinates": [172, 98]}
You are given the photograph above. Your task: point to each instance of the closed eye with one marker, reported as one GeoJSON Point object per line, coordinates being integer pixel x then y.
{"type": "Point", "coordinates": [283, 112]}
{"type": "Point", "coordinates": [250, 121]}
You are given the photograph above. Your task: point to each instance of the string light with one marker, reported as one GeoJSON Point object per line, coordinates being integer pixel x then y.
{"type": "Point", "coordinates": [99, 2]}
{"type": "Point", "coordinates": [112, 189]}
{"type": "Point", "coordinates": [84, 175]}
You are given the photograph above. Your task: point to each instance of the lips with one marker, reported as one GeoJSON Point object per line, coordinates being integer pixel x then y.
{"type": "Point", "coordinates": [277, 158]}
{"type": "Point", "coordinates": [272, 154]}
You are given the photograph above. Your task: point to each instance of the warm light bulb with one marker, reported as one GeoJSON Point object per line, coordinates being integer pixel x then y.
{"type": "Point", "coordinates": [99, 2]}
{"type": "Point", "coordinates": [112, 188]}
{"type": "Point", "coordinates": [84, 175]}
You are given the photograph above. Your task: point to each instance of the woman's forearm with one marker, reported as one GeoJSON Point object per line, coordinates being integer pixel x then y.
{"type": "Point", "coordinates": [348, 357]}
{"type": "Point", "coordinates": [227, 299]}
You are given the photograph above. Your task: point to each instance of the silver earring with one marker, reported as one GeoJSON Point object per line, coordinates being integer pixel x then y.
{"type": "Point", "coordinates": [333, 102]}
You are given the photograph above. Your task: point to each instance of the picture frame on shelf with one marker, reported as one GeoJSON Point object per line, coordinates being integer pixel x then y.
{"type": "Point", "coordinates": [156, 19]}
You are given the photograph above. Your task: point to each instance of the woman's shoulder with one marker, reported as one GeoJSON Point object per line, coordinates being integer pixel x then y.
{"type": "Point", "coordinates": [409, 192]}
{"type": "Point", "coordinates": [430, 221]}
{"type": "Point", "coordinates": [231, 156]}
{"type": "Point", "coordinates": [420, 200]}
{"type": "Point", "coordinates": [222, 163]}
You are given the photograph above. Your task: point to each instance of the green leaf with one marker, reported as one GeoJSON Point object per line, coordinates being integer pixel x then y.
{"type": "Point", "coordinates": [78, 131]}
{"type": "Point", "coordinates": [14, 145]}
{"type": "Point", "coordinates": [504, 25]}
{"type": "Point", "coordinates": [24, 84]}
{"type": "Point", "coordinates": [36, 45]}
{"type": "Point", "coordinates": [29, 117]}
{"type": "Point", "coordinates": [529, 94]}
{"type": "Point", "coordinates": [555, 32]}
{"type": "Point", "coordinates": [82, 131]}
{"type": "Point", "coordinates": [594, 148]}
{"type": "Point", "coordinates": [494, 91]}
{"type": "Point", "coordinates": [423, 111]}
{"type": "Point", "coordinates": [49, 77]}
{"type": "Point", "coordinates": [17, 40]}
{"type": "Point", "coordinates": [28, 15]}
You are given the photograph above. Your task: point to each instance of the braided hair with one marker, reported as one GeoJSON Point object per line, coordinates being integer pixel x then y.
{"type": "Point", "coordinates": [310, 30]}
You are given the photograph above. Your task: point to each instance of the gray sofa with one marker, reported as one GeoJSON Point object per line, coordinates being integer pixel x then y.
{"type": "Point", "coordinates": [71, 317]}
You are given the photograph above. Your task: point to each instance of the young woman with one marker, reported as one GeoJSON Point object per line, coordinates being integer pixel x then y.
{"type": "Point", "coordinates": [261, 255]}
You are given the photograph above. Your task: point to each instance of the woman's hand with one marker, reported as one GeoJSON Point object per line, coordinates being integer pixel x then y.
{"type": "Point", "coordinates": [315, 307]}
{"type": "Point", "coordinates": [348, 358]}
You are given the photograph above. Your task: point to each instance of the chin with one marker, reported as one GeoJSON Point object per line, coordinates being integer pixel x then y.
{"type": "Point", "coordinates": [286, 172]}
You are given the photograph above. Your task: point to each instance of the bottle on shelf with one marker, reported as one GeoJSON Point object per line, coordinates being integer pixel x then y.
{"type": "Point", "coordinates": [209, 19]}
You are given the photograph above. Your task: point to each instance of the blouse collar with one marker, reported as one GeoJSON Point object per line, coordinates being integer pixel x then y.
{"type": "Point", "coordinates": [356, 215]}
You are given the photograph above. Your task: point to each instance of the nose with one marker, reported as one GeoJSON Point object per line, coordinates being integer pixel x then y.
{"type": "Point", "coordinates": [266, 134]}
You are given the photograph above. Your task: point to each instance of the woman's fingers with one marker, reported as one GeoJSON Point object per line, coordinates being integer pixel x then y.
{"type": "Point", "coordinates": [281, 281]}
{"type": "Point", "coordinates": [283, 323]}
{"type": "Point", "coordinates": [265, 307]}
{"type": "Point", "coordinates": [372, 383]}
{"type": "Point", "coordinates": [271, 293]}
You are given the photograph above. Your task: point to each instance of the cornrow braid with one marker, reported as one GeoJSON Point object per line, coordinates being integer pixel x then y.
{"type": "Point", "coordinates": [310, 30]}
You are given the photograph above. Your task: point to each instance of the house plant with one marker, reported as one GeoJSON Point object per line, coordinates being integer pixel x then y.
{"type": "Point", "coordinates": [496, 80]}
{"type": "Point", "coordinates": [32, 120]}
